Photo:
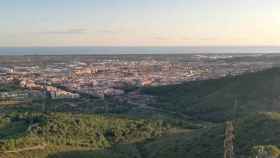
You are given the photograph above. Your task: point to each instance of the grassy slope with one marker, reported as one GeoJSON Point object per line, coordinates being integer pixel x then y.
{"type": "Point", "coordinates": [217, 99]}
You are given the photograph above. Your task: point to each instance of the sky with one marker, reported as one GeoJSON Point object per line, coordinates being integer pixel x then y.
{"type": "Point", "coordinates": [139, 23]}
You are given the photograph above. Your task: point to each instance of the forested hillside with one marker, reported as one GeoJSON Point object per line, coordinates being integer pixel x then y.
{"type": "Point", "coordinates": [186, 120]}
{"type": "Point", "coordinates": [224, 98]}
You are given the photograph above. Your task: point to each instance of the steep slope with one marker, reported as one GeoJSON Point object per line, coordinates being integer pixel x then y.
{"type": "Point", "coordinates": [221, 99]}
{"type": "Point", "coordinates": [262, 129]}
{"type": "Point", "coordinates": [255, 130]}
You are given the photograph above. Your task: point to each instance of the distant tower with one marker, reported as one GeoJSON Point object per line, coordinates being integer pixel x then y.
{"type": "Point", "coordinates": [235, 109]}
{"type": "Point", "coordinates": [47, 95]}
{"type": "Point", "coordinates": [229, 140]}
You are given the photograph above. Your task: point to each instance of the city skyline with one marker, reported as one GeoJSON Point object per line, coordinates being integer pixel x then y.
{"type": "Point", "coordinates": [139, 23]}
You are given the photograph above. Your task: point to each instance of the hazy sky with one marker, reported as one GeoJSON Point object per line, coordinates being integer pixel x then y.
{"type": "Point", "coordinates": [139, 22]}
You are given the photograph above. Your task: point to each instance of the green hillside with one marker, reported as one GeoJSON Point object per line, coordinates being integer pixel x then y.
{"type": "Point", "coordinates": [21, 133]}
{"type": "Point", "coordinates": [219, 99]}
{"type": "Point", "coordinates": [257, 130]}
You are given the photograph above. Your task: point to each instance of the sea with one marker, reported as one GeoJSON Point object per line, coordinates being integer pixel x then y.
{"type": "Point", "coordinates": [134, 50]}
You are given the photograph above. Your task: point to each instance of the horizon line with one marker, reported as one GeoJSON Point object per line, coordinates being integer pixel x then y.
{"type": "Point", "coordinates": [141, 46]}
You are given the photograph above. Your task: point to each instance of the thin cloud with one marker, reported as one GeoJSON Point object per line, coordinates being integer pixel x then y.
{"type": "Point", "coordinates": [111, 31]}
{"type": "Point", "coordinates": [177, 38]}
{"type": "Point", "coordinates": [213, 38]}
{"type": "Point", "coordinates": [159, 38]}
{"type": "Point", "coordinates": [66, 32]}
{"type": "Point", "coordinates": [199, 39]}
{"type": "Point", "coordinates": [108, 31]}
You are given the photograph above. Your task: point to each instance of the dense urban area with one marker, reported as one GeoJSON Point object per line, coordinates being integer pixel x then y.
{"type": "Point", "coordinates": [44, 76]}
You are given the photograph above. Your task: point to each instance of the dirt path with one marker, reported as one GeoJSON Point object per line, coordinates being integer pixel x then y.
{"type": "Point", "coordinates": [148, 107]}
{"type": "Point", "coordinates": [37, 147]}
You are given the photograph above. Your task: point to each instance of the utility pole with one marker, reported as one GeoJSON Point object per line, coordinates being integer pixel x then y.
{"type": "Point", "coordinates": [229, 133]}
{"type": "Point", "coordinates": [229, 140]}
{"type": "Point", "coordinates": [235, 109]}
